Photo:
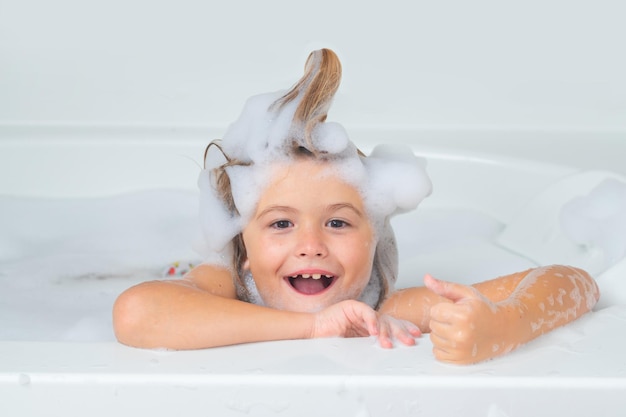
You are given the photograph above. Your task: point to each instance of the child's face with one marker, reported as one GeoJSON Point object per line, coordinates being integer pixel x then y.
{"type": "Point", "coordinates": [309, 243]}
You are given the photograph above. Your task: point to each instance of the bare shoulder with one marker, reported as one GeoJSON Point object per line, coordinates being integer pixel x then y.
{"type": "Point", "coordinates": [213, 279]}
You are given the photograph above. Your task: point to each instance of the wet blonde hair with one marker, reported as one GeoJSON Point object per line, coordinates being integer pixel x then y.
{"type": "Point", "coordinates": [315, 92]}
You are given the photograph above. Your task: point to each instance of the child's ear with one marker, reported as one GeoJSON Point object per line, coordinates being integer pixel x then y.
{"type": "Point", "coordinates": [245, 265]}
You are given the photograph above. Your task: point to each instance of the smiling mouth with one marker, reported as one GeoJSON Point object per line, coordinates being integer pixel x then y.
{"type": "Point", "coordinates": [311, 284]}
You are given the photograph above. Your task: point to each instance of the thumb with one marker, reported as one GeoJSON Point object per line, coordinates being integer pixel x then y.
{"type": "Point", "coordinates": [453, 291]}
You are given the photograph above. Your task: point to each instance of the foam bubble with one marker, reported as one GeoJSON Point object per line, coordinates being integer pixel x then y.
{"type": "Point", "coordinates": [261, 132]}
{"type": "Point", "coordinates": [249, 182]}
{"type": "Point", "coordinates": [598, 220]}
{"type": "Point", "coordinates": [391, 180]}
{"type": "Point", "coordinates": [247, 137]}
{"type": "Point", "coordinates": [330, 137]}
{"type": "Point", "coordinates": [219, 226]}
{"type": "Point", "coordinates": [397, 180]}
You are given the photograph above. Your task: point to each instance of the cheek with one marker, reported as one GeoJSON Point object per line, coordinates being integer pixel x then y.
{"type": "Point", "coordinates": [257, 245]}
{"type": "Point", "coordinates": [367, 254]}
{"type": "Point", "coordinates": [264, 242]}
{"type": "Point", "coordinates": [265, 255]}
{"type": "Point", "coordinates": [368, 246]}
{"type": "Point", "coordinates": [361, 256]}
{"type": "Point", "coordinates": [367, 259]}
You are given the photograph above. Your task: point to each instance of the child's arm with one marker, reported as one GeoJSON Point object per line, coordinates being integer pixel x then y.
{"type": "Point", "coordinates": [470, 324]}
{"type": "Point", "coordinates": [202, 311]}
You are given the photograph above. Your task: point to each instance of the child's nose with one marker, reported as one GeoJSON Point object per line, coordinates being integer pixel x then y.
{"type": "Point", "coordinates": [311, 243]}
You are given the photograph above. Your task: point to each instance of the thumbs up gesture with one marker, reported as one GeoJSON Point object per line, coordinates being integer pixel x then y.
{"type": "Point", "coordinates": [470, 328]}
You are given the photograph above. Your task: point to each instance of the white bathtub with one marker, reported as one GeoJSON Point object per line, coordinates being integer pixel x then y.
{"type": "Point", "coordinates": [518, 106]}
{"type": "Point", "coordinates": [579, 370]}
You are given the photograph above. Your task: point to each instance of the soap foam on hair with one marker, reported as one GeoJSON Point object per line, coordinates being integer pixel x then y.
{"type": "Point", "coordinates": [391, 180]}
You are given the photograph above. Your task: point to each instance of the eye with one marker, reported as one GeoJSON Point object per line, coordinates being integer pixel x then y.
{"type": "Point", "coordinates": [337, 224]}
{"type": "Point", "coordinates": [281, 224]}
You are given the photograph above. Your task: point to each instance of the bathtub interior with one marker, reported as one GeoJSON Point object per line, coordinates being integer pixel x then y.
{"type": "Point", "coordinates": [89, 236]}
{"type": "Point", "coordinates": [100, 232]}
{"type": "Point", "coordinates": [71, 243]}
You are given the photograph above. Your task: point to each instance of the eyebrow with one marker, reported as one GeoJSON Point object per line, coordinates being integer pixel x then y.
{"type": "Point", "coordinates": [339, 206]}
{"type": "Point", "coordinates": [331, 208]}
{"type": "Point", "coordinates": [274, 208]}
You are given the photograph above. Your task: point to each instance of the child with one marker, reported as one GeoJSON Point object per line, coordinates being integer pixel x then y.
{"type": "Point", "coordinates": [299, 245]}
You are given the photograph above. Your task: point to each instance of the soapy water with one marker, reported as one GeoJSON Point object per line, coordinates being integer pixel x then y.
{"type": "Point", "coordinates": [55, 244]}
{"type": "Point", "coordinates": [63, 262]}
{"type": "Point", "coordinates": [598, 220]}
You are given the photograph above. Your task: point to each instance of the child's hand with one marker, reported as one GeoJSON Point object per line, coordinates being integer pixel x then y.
{"type": "Point", "coordinates": [355, 319]}
{"type": "Point", "coordinates": [469, 329]}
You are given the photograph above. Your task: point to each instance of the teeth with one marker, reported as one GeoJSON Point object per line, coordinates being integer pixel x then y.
{"type": "Point", "coordinates": [314, 276]}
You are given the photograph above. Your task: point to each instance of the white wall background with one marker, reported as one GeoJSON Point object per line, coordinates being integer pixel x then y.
{"type": "Point", "coordinates": [534, 64]}
{"type": "Point", "coordinates": [99, 97]}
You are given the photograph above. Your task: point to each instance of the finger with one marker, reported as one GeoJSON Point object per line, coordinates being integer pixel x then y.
{"type": "Point", "coordinates": [384, 335]}
{"type": "Point", "coordinates": [446, 313]}
{"type": "Point", "coordinates": [371, 322]}
{"type": "Point", "coordinates": [402, 333]}
{"type": "Point", "coordinates": [439, 328]}
{"type": "Point", "coordinates": [414, 330]}
{"type": "Point", "coordinates": [451, 290]}
{"type": "Point", "coordinates": [440, 352]}
{"type": "Point", "coordinates": [363, 318]}
{"type": "Point", "coordinates": [438, 341]}
{"type": "Point", "coordinates": [443, 355]}
{"type": "Point", "coordinates": [442, 348]}
{"type": "Point", "coordinates": [409, 328]}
